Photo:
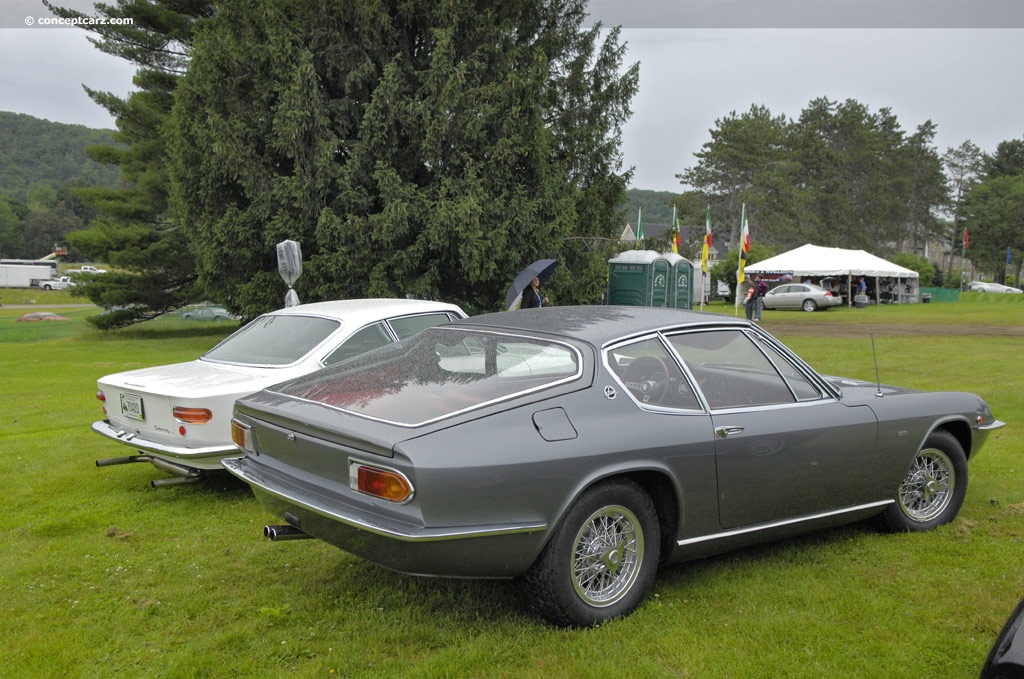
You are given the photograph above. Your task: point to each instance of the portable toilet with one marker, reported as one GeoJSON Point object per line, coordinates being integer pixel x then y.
{"type": "Point", "coordinates": [679, 293]}
{"type": "Point", "coordinates": [632, 280]}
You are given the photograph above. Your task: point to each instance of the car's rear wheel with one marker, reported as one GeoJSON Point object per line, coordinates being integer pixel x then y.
{"type": "Point", "coordinates": [934, 487]}
{"type": "Point", "coordinates": [810, 305]}
{"type": "Point", "coordinates": [601, 559]}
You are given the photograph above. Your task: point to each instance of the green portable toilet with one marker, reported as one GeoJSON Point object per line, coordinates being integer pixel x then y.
{"type": "Point", "coordinates": [679, 294]}
{"type": "Point", "coordinates": [631, 278]}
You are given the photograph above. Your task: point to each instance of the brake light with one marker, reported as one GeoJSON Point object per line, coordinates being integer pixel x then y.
{"type": "Point", "coordinates": [192, 415]}
{"type": "Point", "coordinates": [387, 484]}
{"type": "Point", "coordinates": [828, 293]}
{"type": "Point", "coordinates": [102, 399]}
{"type": "Point", "coordinates": [241, 436]}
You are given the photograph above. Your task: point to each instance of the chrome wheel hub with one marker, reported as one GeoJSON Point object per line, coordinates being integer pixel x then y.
{"type": "Point", "coordinates": [607, 556]}
{"type": "Point", "coordinates": [927, 489]}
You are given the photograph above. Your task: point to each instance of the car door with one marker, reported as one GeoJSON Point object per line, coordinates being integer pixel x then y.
{"type": "Point", "coordinates": [784, 446]}
{"type": "Point", "coordinates": [782, 297]}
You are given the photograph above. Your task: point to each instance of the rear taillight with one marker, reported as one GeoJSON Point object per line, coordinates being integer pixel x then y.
{"type": "Point", "coordinates": [828, 293]}
{"type": "Point", "coordinates": [241, 435]}
{"type": "Point", "coordinates": [102, 399]}
{"type": "Point", "coordinates": [387, 484]}
{"type": "Point", "coordinates": [192, 415]}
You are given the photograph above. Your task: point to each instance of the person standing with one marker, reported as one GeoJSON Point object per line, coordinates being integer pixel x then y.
{"type": "Point", "coordinates": [531, 296]}
{"type": "Point", "coordinates": [762, 290]}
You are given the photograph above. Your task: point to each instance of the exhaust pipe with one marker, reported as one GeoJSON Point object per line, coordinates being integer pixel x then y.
{"type": "Point", "coordinates": [285, 532]}
{"type": "Point", "coordinates": [181, 474]}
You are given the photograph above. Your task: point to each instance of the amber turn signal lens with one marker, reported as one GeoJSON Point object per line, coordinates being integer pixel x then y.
{"type": "Point", "coordinates": [241, 435]}
{"type": "Point", "coordinates": [383, 483]}
{"type": "Point", "coordinates": [192, 415]}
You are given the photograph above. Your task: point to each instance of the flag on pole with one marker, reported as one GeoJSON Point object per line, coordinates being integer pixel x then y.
{"type": "Point", "coordinates": [640, 224]}
{"type": "Point", "coordinates": [744, 247]}
{"type": "Point", "coordinates": [1009, 257]}
{"type": "Point", "coordinates": [706, 248]}
{"type": "Point", "coordinates": [676, 236]}
{"type": "Point", "coordinates": [966, 240]}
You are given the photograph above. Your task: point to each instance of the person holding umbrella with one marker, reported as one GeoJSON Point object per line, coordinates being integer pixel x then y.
{"type": "Point", "coordinates": [531, 295]}
{"type": "Point", "coordinates": [524, 293]}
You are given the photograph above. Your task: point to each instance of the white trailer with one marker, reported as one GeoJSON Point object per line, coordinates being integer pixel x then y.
{"type": "Point", "coordinates": [27, 273]}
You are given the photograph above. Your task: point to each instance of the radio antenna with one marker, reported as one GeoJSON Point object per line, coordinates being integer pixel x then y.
{"type": "Point", "coordinates": [874, 355]}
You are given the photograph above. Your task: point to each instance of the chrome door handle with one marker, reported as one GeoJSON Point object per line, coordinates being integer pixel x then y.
{"type": "Point", "coordinates": [725, 432]}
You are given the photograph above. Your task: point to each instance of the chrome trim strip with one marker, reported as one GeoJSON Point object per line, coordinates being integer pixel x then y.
{"type": "Point", "coordinates": [994, 424]}
{"type": "Point", "coordinates": [104, 428]}
{"type": "Point", "coordinates": [236, 467]}
{"type": "Point", "coordinates": [779, 524]}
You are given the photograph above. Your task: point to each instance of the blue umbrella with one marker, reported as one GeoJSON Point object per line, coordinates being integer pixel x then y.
{"type": "Point", "coordinates": [541, 269]}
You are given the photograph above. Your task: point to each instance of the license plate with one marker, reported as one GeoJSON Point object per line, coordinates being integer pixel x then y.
{"type": "Point", "coordinates": [131, 406]}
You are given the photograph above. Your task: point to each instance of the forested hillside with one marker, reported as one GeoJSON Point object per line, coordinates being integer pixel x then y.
{"type": "Point", "coordinates": [36, 152]}
{"type": "Point", "coordinates": [657, 206]}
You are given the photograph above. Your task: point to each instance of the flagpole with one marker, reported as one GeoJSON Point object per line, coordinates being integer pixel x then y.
{"type": "Point", "coordinates": [705, 280]}
{"type": "Point", "coordinates": [744, 236]}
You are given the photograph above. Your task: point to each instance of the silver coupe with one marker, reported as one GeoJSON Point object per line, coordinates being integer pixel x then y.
{"type": "Point", "coordinates": [576, 449]}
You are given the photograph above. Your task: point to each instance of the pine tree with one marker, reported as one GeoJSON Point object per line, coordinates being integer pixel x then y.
{"type": "Point", "coordinates": [430, 149]}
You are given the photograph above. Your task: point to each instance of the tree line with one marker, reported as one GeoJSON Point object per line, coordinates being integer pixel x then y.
{"type": "Point", "coordinates": [432, 149]}
{"type": "Point", "coordinates": [841, 175]}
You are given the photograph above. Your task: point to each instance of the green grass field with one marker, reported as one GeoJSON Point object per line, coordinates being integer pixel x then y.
{"type": "Point", "coordinates": [102, 576]}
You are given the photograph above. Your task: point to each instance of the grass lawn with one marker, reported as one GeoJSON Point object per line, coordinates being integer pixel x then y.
{"type": "Point", "coordinates": [101, 575]}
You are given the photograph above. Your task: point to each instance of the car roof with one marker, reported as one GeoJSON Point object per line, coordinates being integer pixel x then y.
{"type": "Point", "coordinates": [598, 324]}
{"type": "Point", "coordinates": [365, 310]}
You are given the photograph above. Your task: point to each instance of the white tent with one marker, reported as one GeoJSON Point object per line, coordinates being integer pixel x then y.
{"type": "Point", "coordinates": [892, 282]}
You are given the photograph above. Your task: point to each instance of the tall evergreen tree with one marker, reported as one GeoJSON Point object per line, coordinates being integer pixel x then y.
{"type": "Point", "coordinates": [429, 149]}
{"type": "Point", "coordinates": [153, 270]}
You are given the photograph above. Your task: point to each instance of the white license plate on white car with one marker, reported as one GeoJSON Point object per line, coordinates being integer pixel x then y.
{"type": "Point", "coordinates": [131, 406]}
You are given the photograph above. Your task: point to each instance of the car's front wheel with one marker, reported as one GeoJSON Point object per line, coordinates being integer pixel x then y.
{"type": "Point", "coordinates": [601, 559]}
{"type": "Point", "coordinates": [934, 487]}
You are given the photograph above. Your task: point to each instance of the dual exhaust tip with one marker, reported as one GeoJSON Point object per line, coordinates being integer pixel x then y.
{"type": "Point", "coordinates": [285, 532]}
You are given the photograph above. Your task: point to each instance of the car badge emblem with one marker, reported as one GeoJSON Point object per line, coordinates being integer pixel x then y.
{"type": "Point", "coordinates": [610, 393]}
{"type": "Point", "coordinates": [291, 436]}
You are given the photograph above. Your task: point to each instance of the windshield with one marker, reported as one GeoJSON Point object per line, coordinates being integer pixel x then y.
{"type": "Point", "coordinates": [273, 340]}
{"type": "Point", "coordinates": [438, 373]}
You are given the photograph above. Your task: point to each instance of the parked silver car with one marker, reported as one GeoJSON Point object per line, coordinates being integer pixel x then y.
{"type": "Point", "coordinates": [806, 296]}
{"type": "Point", "coordinates": [981, 286]}
{"type": "Point", "coordinates": [578, 448]}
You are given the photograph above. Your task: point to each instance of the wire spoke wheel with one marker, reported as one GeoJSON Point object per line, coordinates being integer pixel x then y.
{"type": "Point", "coordinates": [926, 491]}
{"type": "Point", "coordinates": [607, 556]}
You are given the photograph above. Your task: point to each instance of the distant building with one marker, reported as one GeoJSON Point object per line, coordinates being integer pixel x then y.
{"type": "Point", "coordinates": [655, 234]}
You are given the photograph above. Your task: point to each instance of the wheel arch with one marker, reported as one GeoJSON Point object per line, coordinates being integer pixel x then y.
{"type": "Point", "coordinates": [663, 493]}
{"type": "Point", "coordinates": [960, 430]}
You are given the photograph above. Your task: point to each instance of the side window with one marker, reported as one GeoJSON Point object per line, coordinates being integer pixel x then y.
{"type": "Point", "coordinates": [804, 390]}
{"type": "Point", "coordinates": [407, 326]}
{"type": "Point", "coordinates": [370, 337]}
{"type": "Point", "coordinates": [729, 369]}
{"type": "Point", "coordinates": [650, 373]}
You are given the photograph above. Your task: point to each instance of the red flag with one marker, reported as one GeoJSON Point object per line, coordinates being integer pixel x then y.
{"type": "Point", "coordinates": [967, 243]}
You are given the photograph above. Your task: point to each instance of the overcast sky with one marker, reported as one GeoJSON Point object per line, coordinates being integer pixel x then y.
{"type": "Point", "coordinates": [956, 66]}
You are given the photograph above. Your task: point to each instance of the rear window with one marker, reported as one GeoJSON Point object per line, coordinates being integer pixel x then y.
{"type": "Point", "coordinates": [273, 340]}
{"type": "Point", "coordinates": [438, 373]}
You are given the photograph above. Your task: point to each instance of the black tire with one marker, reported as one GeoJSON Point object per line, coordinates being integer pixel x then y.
{"type": "Point", "coordinates": [933, 489]}
{"type": "Point", "coordinates": [600, 560]}
{"type": "Point", "coordinates": [809, 305]}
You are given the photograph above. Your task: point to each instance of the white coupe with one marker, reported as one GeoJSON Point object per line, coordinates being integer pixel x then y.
{"type": "Point", "coordinates": [178, 417]}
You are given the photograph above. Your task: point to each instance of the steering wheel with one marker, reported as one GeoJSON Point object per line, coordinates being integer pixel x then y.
{"type": "Point", "coordinates": [647, 378]}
